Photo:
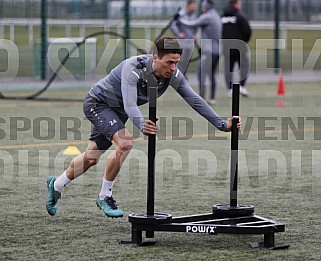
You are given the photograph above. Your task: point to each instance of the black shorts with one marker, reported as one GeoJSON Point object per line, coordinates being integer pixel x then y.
{"type": "Point", "coordinates": [106, 121]}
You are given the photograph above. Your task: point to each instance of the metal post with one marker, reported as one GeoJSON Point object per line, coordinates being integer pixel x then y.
{"type": "Point", "coordinates": [234, 145]}
{"type": "Point", "coordinates": [127, 25]}
{"type": "Point", "coordinates": [151, 154]}
{"type": "Point", "coordinates": [1, 10]}
{"type": "Point", "coordinates": [44, 14]}
{"type": "Point", "coordinates": [287, 11]}
{"type": "Point", "coordinates": [246, 8]}
{"type": "Point", "coordinates": [277, 36]}
{"type": "Point", "coordinates": [27, 9]}
{"type": "Point", "coordinates": [308, 10]}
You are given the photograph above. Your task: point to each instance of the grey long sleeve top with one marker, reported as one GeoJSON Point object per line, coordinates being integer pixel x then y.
{"type": "Point", "coordinates": [177, 27]}
{"type": "Point", "coordinates": [120, 89]}
{"type": "Point", "coordinates": [211, 27]}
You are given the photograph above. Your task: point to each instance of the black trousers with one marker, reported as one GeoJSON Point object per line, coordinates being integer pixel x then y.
{"type": "Point", "coordinates": [230, 61]}
{"type": "Point", "coordinates": [207, 67]}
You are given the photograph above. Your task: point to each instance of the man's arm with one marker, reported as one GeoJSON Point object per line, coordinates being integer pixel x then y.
{"type": "Point", "coordinates": [129, 78]}
{"type": "Point", "coordinates": [245, 28]}
{"type": "Point", "coordinates": [200, 105]}
{"type": "Point", "coordinates": [201, 20]}
{"type": "Point", "coordinates": [175, 28]}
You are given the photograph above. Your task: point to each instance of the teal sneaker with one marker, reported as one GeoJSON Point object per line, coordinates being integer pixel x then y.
{"type": "Point", "coordinates": [109, 206]}
{"type": "Point", "coordinates": [53, 197]}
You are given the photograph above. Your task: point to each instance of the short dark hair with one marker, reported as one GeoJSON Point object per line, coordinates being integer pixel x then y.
{"type": "Point", "coordinates": [208, 4]}
{"type": "Point", "coordinates": [233, 2]}
{"type": "Point", "coordinates": [166, 45]}
{"type": "Point", "coordinates": [191, 2]}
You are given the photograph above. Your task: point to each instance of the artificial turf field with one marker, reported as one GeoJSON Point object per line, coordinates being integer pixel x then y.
{"type": "Point", "coordinates": [279, 173]}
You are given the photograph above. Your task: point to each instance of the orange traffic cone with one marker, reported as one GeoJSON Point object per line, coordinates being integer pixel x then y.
{"type": "Point", "coordinates": [280, 92]}
{"type": "Point", "coordinates": [281, 89]}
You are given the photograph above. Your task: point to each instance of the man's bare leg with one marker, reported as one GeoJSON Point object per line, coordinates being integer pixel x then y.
{"type": "Point", "coordinates": [122, 142]}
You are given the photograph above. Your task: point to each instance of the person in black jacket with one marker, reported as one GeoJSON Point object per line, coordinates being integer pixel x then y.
{"type": "Point", "coordinates": [236, 34]}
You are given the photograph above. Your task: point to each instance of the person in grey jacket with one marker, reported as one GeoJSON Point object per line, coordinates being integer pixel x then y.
{"type": "Point", "coordinates": [211, 30]}
{"type": "Point", "coordinates": [114, 99]}
{"type": "Point", "coordinates": [236, 35]}
{"type": "Point", "coordinates": [185, 34]}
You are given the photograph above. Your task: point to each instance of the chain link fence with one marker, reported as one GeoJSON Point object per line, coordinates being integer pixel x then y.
{"type": "Point", "coordinates": [20, 27]}
{"type": "Point", "coordinates": [258, 10]}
